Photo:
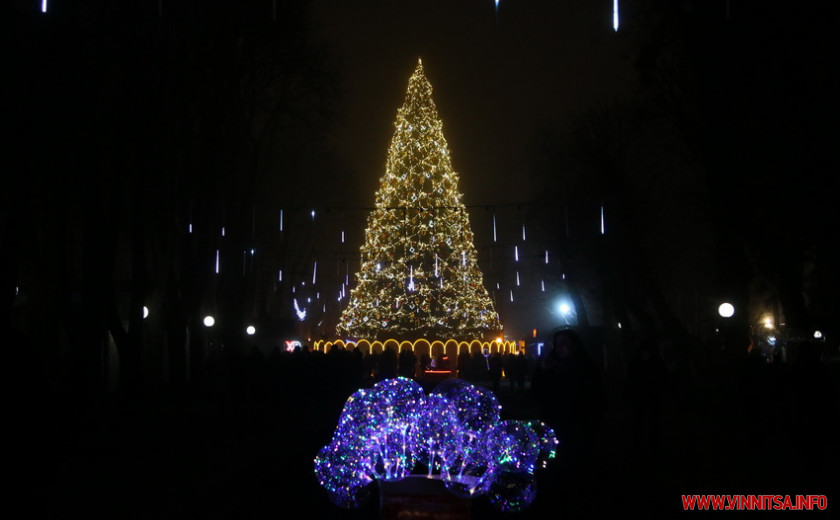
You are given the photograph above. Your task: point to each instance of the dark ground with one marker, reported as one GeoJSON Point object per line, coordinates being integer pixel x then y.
{"type": "Point", "coordinates": [234, 454]}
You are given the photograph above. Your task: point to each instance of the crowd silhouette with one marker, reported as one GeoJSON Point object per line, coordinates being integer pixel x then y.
{"type": "Point", "coordinates": [256, 417]}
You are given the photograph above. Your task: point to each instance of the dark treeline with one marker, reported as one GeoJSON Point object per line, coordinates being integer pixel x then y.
{"type": "Point", "coordinates": [713, 171]}
{"type": "Point", "coordinates": [138, 130]}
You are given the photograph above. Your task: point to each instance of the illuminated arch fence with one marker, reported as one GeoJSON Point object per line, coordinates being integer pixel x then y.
{"type": "Point", "coordinates": [449, 347]}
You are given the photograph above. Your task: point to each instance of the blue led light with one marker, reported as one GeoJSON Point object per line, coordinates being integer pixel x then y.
{"type": "Point", "coordinates": [455, 434]}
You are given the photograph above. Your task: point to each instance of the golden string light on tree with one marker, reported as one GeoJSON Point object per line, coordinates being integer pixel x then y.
{"type": "Point", "coordinates": [419, 275]}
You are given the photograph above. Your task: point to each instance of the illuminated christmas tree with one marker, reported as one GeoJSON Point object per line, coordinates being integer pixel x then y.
{"type": "Point", "coordinates": [419, 273]}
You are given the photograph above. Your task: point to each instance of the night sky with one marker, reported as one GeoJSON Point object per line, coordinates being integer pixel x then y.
{"type": "Point", "coordinates": [494, 78]}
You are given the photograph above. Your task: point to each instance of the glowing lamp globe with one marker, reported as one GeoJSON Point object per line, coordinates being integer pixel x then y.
{"type": "Point", "coordinates": [209, 321]}
{"type": "Point", "coordinates": [726, 310]}
{"type": "Point", "coordinates": [145, 312]}
{"type": "Point", "coordinates": [251, 330]}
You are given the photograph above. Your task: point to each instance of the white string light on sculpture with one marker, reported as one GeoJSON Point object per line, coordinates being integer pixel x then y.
{"type": "Point", "coordinates": [301, 313]}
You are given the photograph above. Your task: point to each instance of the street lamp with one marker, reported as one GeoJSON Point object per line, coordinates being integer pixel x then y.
{"type": "Point", "coordinates": [251, 330]}
{"type": "Point", "coordinates": [767, 320]}
{"type": "Point", "coordinates": [145, 312]}
{"type": "Point", "coordinates": [726, 310]}
{"type": "Point", "coordinates": [209, 321]}
{"type": "Point", "coordinates": [566, 310]}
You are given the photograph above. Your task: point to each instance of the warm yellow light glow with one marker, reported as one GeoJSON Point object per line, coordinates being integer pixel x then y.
{"type": "Point", "coordinates": [768, 322]}
{"type": "Point", "coordinates": [419, 270]}
{"type": "Point", "coordinates": [450, 348]}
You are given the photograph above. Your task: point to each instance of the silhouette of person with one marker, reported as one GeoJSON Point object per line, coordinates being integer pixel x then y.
{"type": "Point", "coordinates": [464, 365]}
{"type": "Point", "coordinates": [519, 371]}
{"type": "Point", "coordinates": [407, 362]}
{"type": "Point", "coordinates": [425, 361]}
{"type": "Point", "coordinates": [495, 370]}
{"type": "Point", "coordinates": [571, 394]}
{"type": "Point", "coordinates": [388, 363]}
{"type": "Point", "coordinates": [357, 369]}
{"type": "Point", "coordinates": [478, 367]}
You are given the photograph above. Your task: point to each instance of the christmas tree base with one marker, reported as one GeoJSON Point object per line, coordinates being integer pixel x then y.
{"type": "Point", "coordinates": [419, 497]}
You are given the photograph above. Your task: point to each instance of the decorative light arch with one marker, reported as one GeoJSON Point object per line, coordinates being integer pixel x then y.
{"type": "Point", "coordinates": [437, 344]}
{"type": "Point", "coordinates": [451, 344]}
{"type": "Point", "coordinates": [390, 343]}
{"type": "Point", "coordinates": [423, 345]}
{"type": "Point", "coordinates": [364, 346]}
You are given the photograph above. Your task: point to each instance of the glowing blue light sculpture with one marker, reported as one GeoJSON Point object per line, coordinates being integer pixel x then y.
{"type": "Point", "coordinates": [455, 432]}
